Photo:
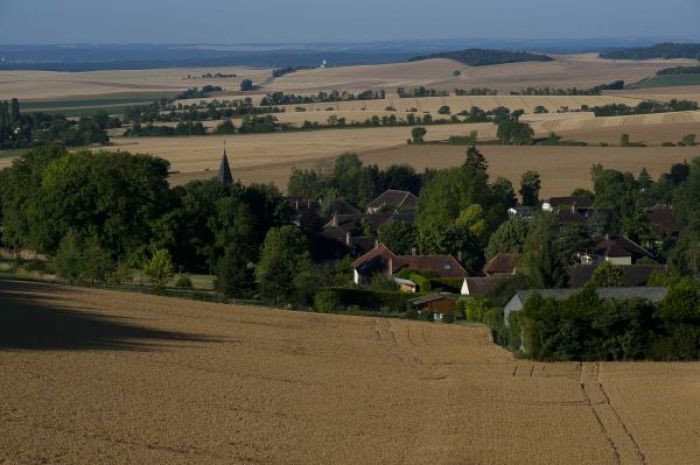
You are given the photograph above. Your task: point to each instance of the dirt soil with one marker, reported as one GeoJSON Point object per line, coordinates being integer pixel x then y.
{"type": "Point", "coordinates": [93, 376]}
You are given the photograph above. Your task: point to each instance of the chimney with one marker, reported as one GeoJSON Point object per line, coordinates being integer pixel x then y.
{"type": "Point", "coordinates": [348, 238]}
{"type": "Point", "coordinates": [376, 243]}
{"type": "Point", "coordinates": [413, 251]}
{"type": "Point", "coordinates": [296, 204]}
{"type": "Point", "coordinates": [459, 256]}
{"type": "Point", "coordinates": [334, 221]}
{"type": "Point", "coordinates": [391, 267]}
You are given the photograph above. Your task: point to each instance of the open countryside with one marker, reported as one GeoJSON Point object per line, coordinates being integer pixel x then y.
{"type": "Point", "coordinates": [273, 233]}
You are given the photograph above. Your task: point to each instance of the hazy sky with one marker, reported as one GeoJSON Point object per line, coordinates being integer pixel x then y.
{"type": "Point", "coordinates": [235, 21]}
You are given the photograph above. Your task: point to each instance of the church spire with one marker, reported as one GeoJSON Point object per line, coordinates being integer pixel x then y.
{"type": "Point", "coordinates": [225, 176]}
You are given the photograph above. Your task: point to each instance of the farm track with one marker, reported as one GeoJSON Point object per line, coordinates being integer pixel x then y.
{"type": "Point", "coordinates": [166, 381]}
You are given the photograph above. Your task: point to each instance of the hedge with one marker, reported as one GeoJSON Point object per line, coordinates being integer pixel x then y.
{"type": "Point", "coordinates": [367, 299]}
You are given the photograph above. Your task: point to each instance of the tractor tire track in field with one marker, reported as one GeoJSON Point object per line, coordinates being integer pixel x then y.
{"type": "Point", "coordinates": [624, 446]}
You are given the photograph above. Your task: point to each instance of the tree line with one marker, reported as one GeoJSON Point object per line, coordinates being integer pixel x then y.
{"type": "Point", "coordinates": [23, 130]}
{"type": "Point", "coordinates": [280, 98]}
{"type": "Point", "coordinates": [484, 57]}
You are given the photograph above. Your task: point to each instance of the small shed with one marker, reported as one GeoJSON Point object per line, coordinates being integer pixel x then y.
{"type": "Point", "coordinates": [442, 307]}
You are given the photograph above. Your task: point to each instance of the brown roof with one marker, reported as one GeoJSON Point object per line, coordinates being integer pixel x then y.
{"type": "Point", "coordinates": [446, 266]}
{"type": "Point", "coordinates": [381, 251]}
{"type": "Point", "coordinates": [620, 246]}
{"type": "Point", "coordinates": [502, 263]}
{"type": "Point", "coordinates": [663, 220]}
{"type": "Point", "coordinates": [394, 199]}
{"type": "Point", "coordinates": [481, 286]}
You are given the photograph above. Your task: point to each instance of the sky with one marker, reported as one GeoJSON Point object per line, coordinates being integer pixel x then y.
{"type": "Point", "coordinates": [261, 21]}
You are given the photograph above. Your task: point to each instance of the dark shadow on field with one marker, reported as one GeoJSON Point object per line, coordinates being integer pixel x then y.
{"type": "Point", "coordinates": [29, 322]}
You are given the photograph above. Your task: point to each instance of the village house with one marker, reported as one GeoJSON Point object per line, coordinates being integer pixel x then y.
{"type": "Point", "coordinates": [442, 307]}
{"type": "Point", "coordinates": [381, 260]}
{"type": "Point", "coordinates": [652, 294]}
{"type": "Point", "coordinates": [572, 204]}
{"type": "Point", "coordinates": [394, 201]}
{"type": "Point", "coordinates": [620, 250]}
{"type": "Point", "coordinates": [501, 264]}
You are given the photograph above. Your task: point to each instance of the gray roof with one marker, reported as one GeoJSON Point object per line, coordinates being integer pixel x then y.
{"type": "Point", "coordinates": [224, 175]}
{"type": "Point", "coordinates": [653, 294]}
{"type": "Point", "coordinates": [427, 299]}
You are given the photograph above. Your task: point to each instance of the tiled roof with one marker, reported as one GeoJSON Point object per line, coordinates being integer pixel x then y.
{"type": "Point", "coordinates": [620, 246]}
{"type": "Point", "coordinates": [394, 199]}
{"type": "Point", "coordinates": [481, 286]}
{"type": "Point", "coordinates": [380, 251]}
{"type": "Point", "coordinates": [502, 263]}
{"type": "Point", "coordinates": [446, 266]}
{"type": "Point", "coordinates": [425, 299]}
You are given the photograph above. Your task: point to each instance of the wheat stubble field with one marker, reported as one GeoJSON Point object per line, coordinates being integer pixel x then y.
{"type": "Point", "coordinates": [128, 378]}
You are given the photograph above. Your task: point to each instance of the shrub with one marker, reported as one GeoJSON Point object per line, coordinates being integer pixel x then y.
{"type": "Point", "coordinates": [159, 270]}
{"type": "Point", "coordinates": [326, 301]}
{"type": "Point", "coordinates": [183, 282]}
{"type": "Point", "coordinates": [372, 300]}
{"type": "Point", "coordinates": [69, 258]}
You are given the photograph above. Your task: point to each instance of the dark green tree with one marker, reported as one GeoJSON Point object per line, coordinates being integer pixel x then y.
{"type": "Point", "coordinates": [285, 254]}
{"type": "Point", "coordinates": [530, 188]}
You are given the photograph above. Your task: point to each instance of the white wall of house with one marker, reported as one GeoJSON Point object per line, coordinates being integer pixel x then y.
{"type": "Point", "coordinates": [465, 287]}
{"type": "Point", "coordinates": [355, 277]}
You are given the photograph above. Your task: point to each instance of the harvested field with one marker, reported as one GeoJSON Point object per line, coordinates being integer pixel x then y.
{"type": "Point", "coordinates": [561, 168]}
{"type": "Point", "coordinates": [51, 85]}
{"type": "Point", "coordinates": [581, 70]}
{"type": "Point", "coordinates": [197, 153]}
{"type": "Point", "coordinates": [141, 379]}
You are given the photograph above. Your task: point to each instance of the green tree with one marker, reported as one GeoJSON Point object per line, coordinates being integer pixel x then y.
{"type": "Point", "coordinates": [97, 262]}
{"type": "Point", "coordinates": [530, 184]}
{"type": "Point", "coordinates": [159, 270]}
{"type": "Point", "coordinates": [686, 197]}
{"type": "Point", "coordinates": [285, 254]}
{"type": "Point", "coordinates": [625, 140]}
{"type": "Point", "coordinates": [688, 140]}
{"type": "Point", "coordinates": [399, 236]}
{"type": "Point", "coordinates": [606, 275]}
{"type": "Point", "coordinates": [69, 258]}
{"type": "Point", "coordinates": [542, 261]}
{"type": "Point", "coordinates": [509, 237]}
{"type": "Point", "coordinates": [476, 159]}
{"type": "Point", "coordinates": [234, 276]}
{"type": "Point", "coordinates": [225, 127]}
{"type": "Point", "coordinates": [418, 135]}
{"type": "Point", "coordinates": [247, 85]}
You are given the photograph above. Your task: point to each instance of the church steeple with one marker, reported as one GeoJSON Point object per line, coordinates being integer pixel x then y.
{"type": "Point", "coordinates": [225, 176]}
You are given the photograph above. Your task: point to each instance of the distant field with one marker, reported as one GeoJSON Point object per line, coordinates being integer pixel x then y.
{"type": "Point", "coordinates": [33, 85]}
{"type": "Point", "coordinates": [79, 106]}
{"type": "Point", "coordinates": [182, 382]}
{"type": "Point", "coordinates": [668, 81]}
{"type": "Point", "coordinates": [581, 70]}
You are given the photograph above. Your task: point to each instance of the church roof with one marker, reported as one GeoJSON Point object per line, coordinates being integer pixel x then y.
{"type": "Point", "coordinates": [224, 176]}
